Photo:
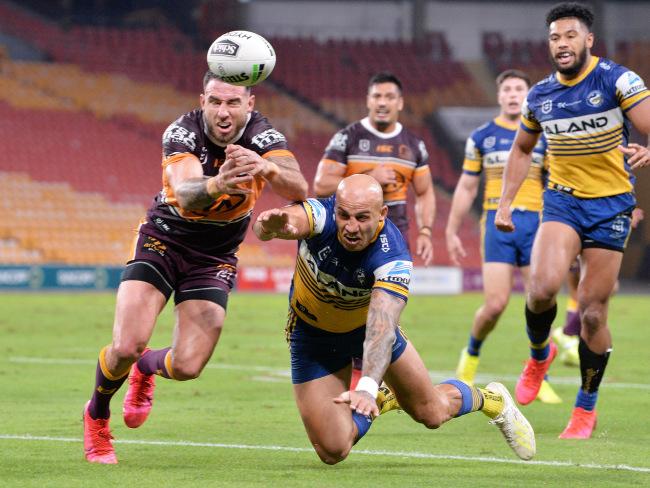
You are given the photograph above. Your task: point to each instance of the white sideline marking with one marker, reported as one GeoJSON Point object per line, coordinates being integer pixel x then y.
{"type": "Point", "coordinates": [401, 454]}
{"type": "Point", "coordinates": [435, 375]}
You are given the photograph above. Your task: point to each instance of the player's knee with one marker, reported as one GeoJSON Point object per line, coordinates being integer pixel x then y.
{"type": "Point", "coordinates": [127, 350]}
{"type": "Point", "coordinates": [184, 370]}
{"type": "Point", "coordinates": [540, 294]}
{"type": "Point", "coordinates": [494, 307]}
{"type": "Point", "coordinates": [593, 318]}
{"type": "Point", "coordinates": [333, 454]}
{"type": "Point", "coordinates": [431, 416]}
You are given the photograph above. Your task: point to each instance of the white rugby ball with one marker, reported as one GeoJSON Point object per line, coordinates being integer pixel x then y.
{"type": "Point", "coordinates": [241, 58]}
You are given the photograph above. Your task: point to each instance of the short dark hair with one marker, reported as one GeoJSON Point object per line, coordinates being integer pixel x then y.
{"type": "Point", "coordinates": [512, 73]}
{"type": "Point", "coordinates": [385, 77]}
{"type": "Point", "coordinates": [209, 76]}
{"type": "Point", "coordinates": [571, 9]}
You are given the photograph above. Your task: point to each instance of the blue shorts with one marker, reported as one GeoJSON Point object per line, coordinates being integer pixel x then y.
{"type": "Point", "coordinates": [600, 222]}
{"type": "Point", "coordinates": [509, 247]}
{"type": "Point", "coordinates": [316, 352]}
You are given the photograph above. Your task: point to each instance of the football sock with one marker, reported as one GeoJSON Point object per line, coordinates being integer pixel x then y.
{"type": "Point", "coordinates": [572, 324]}
{"type": "Point", "coordinates": [157, 362]}
{"type": "Point", "coordinates": [592, 368]}
{"type": "Point", "coordinates": [474, 346]}
{"type": "Point", "coordinates": [472, 397]}
{"type": "Point", "coordinates": [363, 423]}
{"type": "Point", "coordinates": [493, 403]}
{"type": "Point", "coordinates": [105, 387]}
{"type": "Point", "coordinates": [538, 328]}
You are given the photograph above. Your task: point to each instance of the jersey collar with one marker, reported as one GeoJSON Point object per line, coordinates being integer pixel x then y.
{"type": "Point", "coordinates": [501, 122]}
{"type": "Point", "coordinates": [365, 122]}
{"type": "Point", "coordinates": [234, 139]}
{"type": "Point", "coordinates": [380, 227]}
{"type": "Point", "coordinates": [575, 81]}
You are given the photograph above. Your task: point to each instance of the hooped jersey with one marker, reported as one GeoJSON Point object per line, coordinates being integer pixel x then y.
{"type": "Point", "coordinates": [361, 148]}
{"type": "Point", "coordinates": [221, 226]}
{"type": "Point", "coordinates": [486, 151]}
{"type": "Point", "coordinates": [331, 286]}
{"type": "Point", "coordinates": [584, 121]}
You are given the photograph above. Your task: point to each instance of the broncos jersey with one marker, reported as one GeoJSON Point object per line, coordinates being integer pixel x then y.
{"type": "Point", "coordinates": [487, 150]}
{"type": "Point", "coordinates": [584, 121]}
{"type": "Point", "coordinates": [361, 148]}
{"type": "Point", "coordinates": [221, 226]}
{"type": "Point", "coordinates": [331, 286]}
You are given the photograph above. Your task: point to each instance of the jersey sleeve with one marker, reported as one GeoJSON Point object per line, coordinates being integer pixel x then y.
{"type": "Point", "coordinates": [394, 277]}
{"type": "Point", "coordinates": [630, 89]}
{"type": "Point", "coordinates": [472, 164]}
{"type": "Point", "coordinates": [337, 149]}
{"type": "Point", "coordinates": [422, 159]}
{"type": "Point", "coordinates": [181, 137]}
{"type": "Point", "coordinates": [265, 140]}
{"type": "Point", "coordinates": [528, 120]}
{"type": "Point", "coordinates": [317, 211]}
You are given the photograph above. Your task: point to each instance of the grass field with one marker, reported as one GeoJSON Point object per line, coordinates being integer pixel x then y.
{"type": "Point", "coordinates": [237, 424]}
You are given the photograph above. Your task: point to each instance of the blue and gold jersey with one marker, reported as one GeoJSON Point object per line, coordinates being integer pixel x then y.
{"type": "Point", "coordinates": [487, 150]}
{"type": "Point", "coordinates": [584, 121]}
{"type": "Point", "coordinates": [331, 286]}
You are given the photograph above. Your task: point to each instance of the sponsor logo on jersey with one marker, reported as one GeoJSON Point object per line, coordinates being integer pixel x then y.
{"type": "Point", "coordinates": [323, 253]}
{"type": "Point", "coordinates": [595, 98]}
{"type": "Point", "coordinates": [360, 276]}
{"type": "Point", "coordinates": [581, 126]}
{"type": "Point", "coordinates": [384, 148]}
{"type": "Point", "coordinates": [383, 240]}
{"type": "Point", "coordinates": [364, 145]}
{"type": "Point", "coordinates": [338, 142]}
{"type": "Point", "coordinates": [268, 138]}
{"type": "Point", "coordinates": [569, 104]}
{"type": "Point", "coordinates": [180, 135]}
{"type": "Point", "coordinates": [423, 150]}
{"type": "Point", "coordinates": [604, 65]}
{"type": "Point", "coordinates": [225, 48]}
{"type": "Point", "coordinates": [547, 106]}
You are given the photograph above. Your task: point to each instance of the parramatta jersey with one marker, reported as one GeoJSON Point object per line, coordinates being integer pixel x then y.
{"type": "Point", "coordinates": [584, 121]}
{"type": "Point", "coordinates": [361, 148]}
{"type": "Point", "coordinates": [331, 286]}
{"type": "Point", "coordinates": [220, 227]}
{"type": "Point", "coordinates": [487, 150]}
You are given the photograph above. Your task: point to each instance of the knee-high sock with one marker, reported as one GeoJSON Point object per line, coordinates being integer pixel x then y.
{"type": "Point", "coordinates": [106, 385]}
{"type": "Point", "coordinates": [538, 328]}
{"type": "Point", "coordinates": [157, 362]}
{"type": "Point", "coordinates": [592, 368]}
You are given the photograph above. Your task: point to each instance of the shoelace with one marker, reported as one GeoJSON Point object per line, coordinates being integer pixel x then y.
{"type": "Point", "coordinates": [142, 387]}
{"type": "Point", "coordinates": [102, 437]}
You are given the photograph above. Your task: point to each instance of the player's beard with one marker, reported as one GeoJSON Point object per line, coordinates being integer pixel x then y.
{"type": "Point", "coordinates": [571, 71]}
{"type": "Point", "coordinates": [381, 125]}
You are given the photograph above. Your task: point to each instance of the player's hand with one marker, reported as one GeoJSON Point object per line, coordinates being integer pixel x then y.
{"type": "Point", "coordinates": [637, 216]}
{"type": "Point", "coordinates": [361, 402]}
{"type": "Point", "coordinates": [503, 220]}
{"type": "Point", "coordinates": [637, 156]}
{"type": "Point", "coordinates": [384, 175]}
{"type": "Point", "coordinates": [245, 157]}
{"type": "Point", "coordinates": [275, 223]}
{"type": "Point", "coordinates": [424, 248]}
{"type": "Point", "coordinates": [230, 179]}
{"type": "Point", "coordinates": [455, 249]}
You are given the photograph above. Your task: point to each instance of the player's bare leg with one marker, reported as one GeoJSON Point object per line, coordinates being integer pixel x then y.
{"type": "Point", "coordinates": [330, 426]}
{"type": "Point", "coordinates": [138, 306]}
{"type": "Point", "coordinates": [497, 284]}
{"type": "Point", "coordinates": [599, 275]}
{"type": "Point", "coordinates": [556, 246]}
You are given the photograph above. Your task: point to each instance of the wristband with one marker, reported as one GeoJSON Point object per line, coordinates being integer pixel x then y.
{"type": "Point", "coordinates": [367, 384]}
{"type": "Point", "coordinates": [425, 230]}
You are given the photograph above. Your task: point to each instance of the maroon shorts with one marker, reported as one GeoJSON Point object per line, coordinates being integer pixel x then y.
{"type": "Point", "coordinates": [188, 274]}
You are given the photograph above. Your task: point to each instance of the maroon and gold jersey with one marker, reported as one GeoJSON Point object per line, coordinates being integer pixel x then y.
{"type": "Point", "coordinates": [361, 148]}
{"type": "Point", "coordinates": [220, 227]}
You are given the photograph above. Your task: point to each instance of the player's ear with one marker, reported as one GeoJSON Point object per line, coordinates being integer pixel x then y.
{"type": "Point", "coordinates": [400, 106]}
{"type": "Point", "coordinates": [383, 212]}
{"type": "Point", "coordinates": [251, 102]}
{"type": "Point", "coordinates": [201, 100]}
{"type": "Point", "coordinates": [590, 40]}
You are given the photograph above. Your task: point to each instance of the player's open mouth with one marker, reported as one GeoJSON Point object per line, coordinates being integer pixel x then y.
{"type": "Point", "coordinates": [224, 127]}
{"type": "Point", "coordinates": [351, 239]}
{"type": "Point", "coordinates": [564, 57]}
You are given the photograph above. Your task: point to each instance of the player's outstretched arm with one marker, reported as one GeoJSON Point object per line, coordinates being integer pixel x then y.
{"type": "Point", "coordinates": [514, 175]}
{"type": "Point", "coordinates": [638, 156]}
{"type": "Point", "coordinates": [425, 212]}
{"type": "Point", "coordinates": [464, 194]}
{"type": "Point", "coordinates": [282, 172]}
{"type": "Point", "coordinates": [383, 317]}
{"type": "Point", "coordinates": [328, 176]}
{"type": "Point", "coordinates": [289, 223]}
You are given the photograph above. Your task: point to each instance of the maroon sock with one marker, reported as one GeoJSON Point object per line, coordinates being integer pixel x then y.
{"type": "Point", "coordinates": [105, 388]}
{"type": "Point", "coordinates": [572, 325]}
{"type": "Point", "coordinates": [153, 362]}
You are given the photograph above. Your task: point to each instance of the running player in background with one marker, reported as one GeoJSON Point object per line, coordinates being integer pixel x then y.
{"type": "Point", "coordinates": [350, 286]}
{"type": "Point", "coordinates": [583, 111]}
{"type": "Point", "coordinates": [216, 161]}
{"type": "Point", "coordinates": [380, 146]}
{"type": "Point", "coordinates": [486, 152]}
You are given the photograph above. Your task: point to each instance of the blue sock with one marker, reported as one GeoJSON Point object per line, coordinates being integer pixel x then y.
{"type": "Point", "coordinates": [363, 424]}
{"type": "Point", "coordinates": [472, 398]}
{"type": "Point", "coordinates": [474, 346]}
{"type": "Point", "coordinates": [586, 400]}
{"type": "Point", "coordinates": [540, 352]}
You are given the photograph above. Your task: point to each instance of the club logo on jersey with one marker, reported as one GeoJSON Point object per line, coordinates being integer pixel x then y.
{"type": "Point", "coordinates": [595, 98]}
{"type": "Point", "coordinates": [225, 48]}
{"type": "Point", "coordinates": [268, 138]}
{"type": "Point", "coordinates": [547, 106]}
{"type": "Point", "coordinates": [323, 253]}
{"type": "Point", "coordinates": [180, 135]}
{"type": "Point", "coordinates": [604, 66]}
{"type": "Point", "coordinates": [338, 142]}
{"type": "Point", "coordinates": [489, 142]}
{"type": "Point", "coordinates": [360, 276]}
{"type": "Point", "coordinates": [364, 145]}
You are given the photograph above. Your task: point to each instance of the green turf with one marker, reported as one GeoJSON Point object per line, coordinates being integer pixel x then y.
{"type": "Point", "coordinates": [244, 398]}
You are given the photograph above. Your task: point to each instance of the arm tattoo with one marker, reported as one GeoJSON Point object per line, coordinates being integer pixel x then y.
{"type": "Point", "coordinates": [383, 318]}
{"type": "Point", "coordinates": [192, 194]}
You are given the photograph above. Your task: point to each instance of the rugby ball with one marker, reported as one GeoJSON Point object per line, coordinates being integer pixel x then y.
{"type": "Point", "coordinates": [241, 58]}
